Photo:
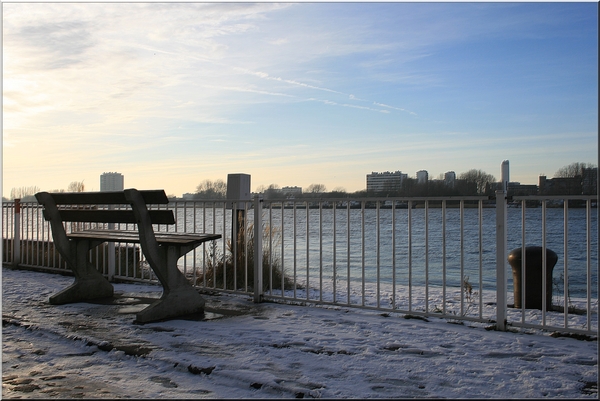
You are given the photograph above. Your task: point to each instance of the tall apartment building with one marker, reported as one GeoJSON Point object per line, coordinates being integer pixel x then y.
{"type": "Point", "coordinates": [589, 181]}
{"type": "Point", "coordinates": [111, 182]}
{"type": "Point", "coordinates": [387, 181]}
{"type": "Point", "coordinates": [422, 177]}
{"type": "Point", "coordinates": [450, 178]}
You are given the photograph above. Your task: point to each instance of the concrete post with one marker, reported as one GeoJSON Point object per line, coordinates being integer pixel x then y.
{"type": "Point", "coordinates": [238, 192]}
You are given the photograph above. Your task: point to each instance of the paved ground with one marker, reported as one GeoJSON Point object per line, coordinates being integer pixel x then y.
{"type": "Point", "coordinates": [239, 349]}
{"type": "Point", "coordinates": [32, 369]}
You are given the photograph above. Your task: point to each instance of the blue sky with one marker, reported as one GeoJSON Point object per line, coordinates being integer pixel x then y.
{"type": "Point", "coordinates": [294, 93]}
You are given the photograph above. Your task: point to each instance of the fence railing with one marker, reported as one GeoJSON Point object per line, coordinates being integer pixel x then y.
{"type": "Point", "coordinates": [430, 256]}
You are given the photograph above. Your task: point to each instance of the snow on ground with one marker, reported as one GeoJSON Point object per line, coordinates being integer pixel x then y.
{"type": "Point", "coordinates": [246, 350]}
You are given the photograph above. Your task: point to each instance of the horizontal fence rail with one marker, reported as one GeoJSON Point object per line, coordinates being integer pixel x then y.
{"type": "Point", "coordinates": [431, 256]}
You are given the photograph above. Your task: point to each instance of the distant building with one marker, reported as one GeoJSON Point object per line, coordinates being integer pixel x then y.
{"type": "Point", "coordinates": [505, 180]}
{"type": "Point", "coordinates": [387, 181]}
{"type": "Point", "coordinates": [291, 190]}
{"type": "Point", "coordinates": [422, 177]}
{"type": "Point", "coordinates": [518, 189]}
{"type": "Point", "coordinates": [589, 181]}
{"type": "Point", "coordinates": [450, 178]}
{"type": "Point", "coordinates": [111, 182]}
{"type": "Point", "coordinates": [560, 185]}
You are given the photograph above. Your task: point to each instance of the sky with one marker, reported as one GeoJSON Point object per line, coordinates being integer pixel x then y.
{"type": "Point", "coordinates": [271, 350]}
{"type": "Point", "coordinates": [294, 94]}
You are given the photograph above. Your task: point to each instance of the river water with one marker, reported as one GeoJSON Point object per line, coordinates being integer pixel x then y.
{"type": "Point", "coordinates": [433, 253]}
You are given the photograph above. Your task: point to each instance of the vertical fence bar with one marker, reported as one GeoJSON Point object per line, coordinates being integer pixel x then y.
{"type": "Point", "coordinates": [111, 252]}
{"type": "Point", "coordinates": [334, 253]}
{"type": "Point", "coordinates": [39, 241]}
{"type": "Point", "coordinates": [393, 254]}
{"type": "Point", "coordinates": [271, 251]}
{"type": "Point", "coordinates": [282, 251]}
{"type": "Point", "coordinates": [409, 219]}
{"type": "Point", "coordinates": [378, 244]}
{"type": "Point", "coordinates": [194, 263]}
{"type": "Point", "coordinates": [25, 240]}
{"type": "Point", "coordinates": [523, 260]}
{"type": "Point", "coordinates": [348, 253]}
{"type": "Point", "coordinates": [544, 273]}
{"type": "Point", "coordinates": [185, 208]}
{"type": "Point", "coordinates": [23, 255]}
{"type": "Point", "coordinates": [258, 251]}
{"type": "Point", "coordinates": [16, 251]}
{"type": "Point", "coordinates": [501, 260]}
{"type": "Point", "coordinates": [295, 248]}
{"type": "Point", "coordinates": [589, 263]}
{"type": "Point", "coordinates": [444, 256]}
{"type": "Point", "coordinates": [362, 236]}
{"type": "Point", "coordinates": [462, 258]}
{"type": "Point", "coordinates": [224, 246]}
{"type": "Point", "coordinates": [5, 232]}
{"type": "Point", "coordinates": [320, 250]}
{"type": "Point", "coordinates": [306, 204]}
{"type": "Point", "coordinates": [566, 258]}
{"type": "Point", "coordinates": [246, 232]}
{"type": "Point", "coordinates": [480, 207]}
{"type": "Point", "coordinates": [427, 256]}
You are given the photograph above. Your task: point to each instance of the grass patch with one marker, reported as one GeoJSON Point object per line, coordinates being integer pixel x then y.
{"type": "Point", "coordinates": [234, 269]}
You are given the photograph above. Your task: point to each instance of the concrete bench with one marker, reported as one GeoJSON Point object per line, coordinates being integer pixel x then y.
{"type": "Point", "coordinates": [161, 249]}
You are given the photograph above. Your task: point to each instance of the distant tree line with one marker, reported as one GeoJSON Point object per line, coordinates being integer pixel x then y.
{"type": "Point", "coordinates": [470, 183]}
{"type": "Point", "coordinates": [573, 170]}
{"type": "Point", "coordinates": [27, 194]}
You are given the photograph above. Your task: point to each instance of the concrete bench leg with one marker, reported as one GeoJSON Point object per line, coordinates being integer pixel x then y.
{"type": "Point", "coordinates": [179, 303]}
{"type": "Point", "coordinates": [179, 297]}
{"type": "Point", "coordinates": [89, 282]}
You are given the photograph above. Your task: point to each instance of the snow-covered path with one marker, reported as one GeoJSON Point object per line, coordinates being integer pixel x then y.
{"type": "Point", "coordinates": [245, 350]}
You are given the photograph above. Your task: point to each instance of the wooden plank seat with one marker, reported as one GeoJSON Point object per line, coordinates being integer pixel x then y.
{"type": "Point", "coordinates": [161, 249]}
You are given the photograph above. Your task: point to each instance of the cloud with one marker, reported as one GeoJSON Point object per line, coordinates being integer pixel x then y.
{"type": "Point", "coordinates": [394, 108]}
{"type": "Point", "coordinates": [264, 75]}
{"type": "Point", "coordinates": [252, 90]}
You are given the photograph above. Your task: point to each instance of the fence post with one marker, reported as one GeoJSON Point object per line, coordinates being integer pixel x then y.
{"type": "Point", "coordinates": [16, 251]}
{"type": "Point", "coordinates": [501, 259]}
{"type": "Point", "coordinates": [111, 253]}
{"type": "Point", "coordinates": [258, 251]}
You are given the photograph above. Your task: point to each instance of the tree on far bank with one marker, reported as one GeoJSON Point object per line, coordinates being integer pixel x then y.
{"type": "Point", "coordinates": [26, 194]}
{"type": "Point", "coordinates": [572, 170]}
{"type": "Point", "coordinates": [480, 178]}
{"type": "Point", "coordinates": [76, 186]}
{"type": "Point", "coordinates": [209, 189]}
{"type": "Point", "coordinates": [316, 189]}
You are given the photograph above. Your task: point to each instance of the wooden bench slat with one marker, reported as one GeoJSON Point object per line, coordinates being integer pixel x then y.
{"type": "Point", "coordinates": [112, 216]}
{"type": "Point", "coordinates": [133, 236]}
{"type": "Point", "coordinates": [157, 196]}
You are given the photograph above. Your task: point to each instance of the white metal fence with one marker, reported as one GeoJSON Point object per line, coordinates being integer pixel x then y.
{"type": "Point", "coordinates": [442, 256]}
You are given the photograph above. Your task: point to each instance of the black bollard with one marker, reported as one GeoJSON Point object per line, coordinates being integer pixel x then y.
{"type": "Point", "coordinates": [533, 276]}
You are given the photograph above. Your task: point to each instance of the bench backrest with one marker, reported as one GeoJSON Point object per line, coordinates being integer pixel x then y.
{"type": "Point", "coordinates": [71, 207]}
